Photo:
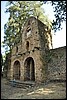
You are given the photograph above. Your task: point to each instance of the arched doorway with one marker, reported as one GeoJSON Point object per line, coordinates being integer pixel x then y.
{"type": "Point", "coordinates": [29, 70]}
{"type": "Point", "coordinates": [16, 70]}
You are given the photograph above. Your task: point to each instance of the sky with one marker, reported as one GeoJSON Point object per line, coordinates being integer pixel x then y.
{"type": "Point", "coordinates": [59, 39]}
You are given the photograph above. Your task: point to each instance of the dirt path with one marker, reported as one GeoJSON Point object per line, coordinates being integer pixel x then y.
{"type": "Point", "coordinates": [49, 91]}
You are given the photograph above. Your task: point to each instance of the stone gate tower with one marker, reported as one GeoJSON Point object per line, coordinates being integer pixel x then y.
{"type": "Point", "coordinates": [28, 57]}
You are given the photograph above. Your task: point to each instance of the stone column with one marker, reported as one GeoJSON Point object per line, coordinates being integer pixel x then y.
{"type": "Point", "coordinates": [22, 73]}
{"type": "Point", "coordinates": [11, 74]}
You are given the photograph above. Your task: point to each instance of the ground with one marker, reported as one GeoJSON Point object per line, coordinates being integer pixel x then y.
{"type": "Point", "coordinates": [52, 90]}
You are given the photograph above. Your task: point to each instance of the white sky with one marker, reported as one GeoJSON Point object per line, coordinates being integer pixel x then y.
{"type": "Point", "coordinates": [59, 39]}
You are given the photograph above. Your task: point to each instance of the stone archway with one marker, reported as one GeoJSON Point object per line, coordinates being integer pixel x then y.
{"type": "Point", "coordinates": [16, 70]}
{"type": "Point", "coordinates": [29, 70]}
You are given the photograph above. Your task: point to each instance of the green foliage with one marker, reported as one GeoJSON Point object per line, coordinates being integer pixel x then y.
{"type": "Point", "coordinates": [7, 61]}
{"type": "Point", "coordinates": [20, 11]}
{"type": "Point", "coordinates": [1, 62]}
{"type": "Point", "coordinates": [59, 8]}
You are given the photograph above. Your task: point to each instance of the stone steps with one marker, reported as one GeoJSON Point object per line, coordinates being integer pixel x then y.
{"type": "Point", "coordinates": [21, 84]}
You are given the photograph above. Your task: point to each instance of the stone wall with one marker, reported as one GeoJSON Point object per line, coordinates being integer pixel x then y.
{"type": "Point", "coordinates": [57, 64]}
{"type": "Point", "coordinates": [35, 45]}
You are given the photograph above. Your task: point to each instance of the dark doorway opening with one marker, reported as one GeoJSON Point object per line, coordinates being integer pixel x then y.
{"type": "Point", "coordinates": [16, 70]}
{"type": "Point", "coordinates": [29, 70]}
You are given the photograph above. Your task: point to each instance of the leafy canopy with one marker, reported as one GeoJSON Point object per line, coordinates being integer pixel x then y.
{"type": "Point", "coordinates": [59, 8]}
{"type": "Point", "coordinates": [19, 12]}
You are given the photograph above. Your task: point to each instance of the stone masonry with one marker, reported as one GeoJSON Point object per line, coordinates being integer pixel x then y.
{"type": "Point", "coordinates": [28, 59]}
{"type": "Point", "coordinates": [57, 64]}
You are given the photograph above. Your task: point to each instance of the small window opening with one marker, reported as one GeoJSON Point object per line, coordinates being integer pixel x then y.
{"type": "Point", "coordinates": [59, 73]}
{"type": "Point", "coordinates": [32, 50]}
{"type": "Point", "coordinates": [16, 49]}
{"type": "Point", "coordinates": [28, 32]}
{"type": "Point", "coordinates": [27, 45]}
{"type": "Point", "coordinates": [28, 29]}
{"type": "Point", "coordinates": [29, 22]}
{"type": "Point", "coordinates": [36, 32]}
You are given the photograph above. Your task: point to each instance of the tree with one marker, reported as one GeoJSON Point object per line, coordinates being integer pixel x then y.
{"type": "Point", "coordinates": [1, 63]}
{"type": "Point", "coordinates": [19, 12]}
{"type": "Point", "coordinates": [7, 61]}
{"type": "Point", "coordinates": [59, 8]}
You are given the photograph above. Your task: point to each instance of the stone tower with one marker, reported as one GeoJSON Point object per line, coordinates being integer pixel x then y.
{"type": "Point", "coordinates": [28, 57]}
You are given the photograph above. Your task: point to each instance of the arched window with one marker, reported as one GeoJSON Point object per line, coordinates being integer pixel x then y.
{"type": "Point", "coordinates": [28, 32]}
{"type": "Point", "coordinates": [16, 70]}
{"type": "Point", "coordinates": [27, 45]}
{"type": "Point", "coordinates": [29, 69]}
